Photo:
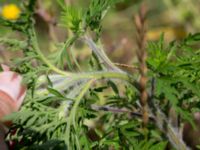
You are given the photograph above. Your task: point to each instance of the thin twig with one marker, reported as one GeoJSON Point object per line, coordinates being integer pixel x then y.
{"type": "Point", "coordinates": [127, 66]}
{"type": "Point", "coordinates": [119, 110]}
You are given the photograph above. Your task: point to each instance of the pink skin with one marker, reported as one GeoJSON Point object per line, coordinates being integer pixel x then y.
{"type": "Point", "coordinates": [12, 94]}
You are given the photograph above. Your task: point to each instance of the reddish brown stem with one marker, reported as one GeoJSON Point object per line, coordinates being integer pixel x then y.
{"type": "Point", "coordinates": [142, 55]}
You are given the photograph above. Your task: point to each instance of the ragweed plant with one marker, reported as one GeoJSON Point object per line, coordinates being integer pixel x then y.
{"type": "Point", "coordinates": [106, 108]}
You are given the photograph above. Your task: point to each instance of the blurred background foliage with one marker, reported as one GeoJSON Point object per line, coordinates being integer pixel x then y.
{"type": "Point", "coordinates": [176, 18]}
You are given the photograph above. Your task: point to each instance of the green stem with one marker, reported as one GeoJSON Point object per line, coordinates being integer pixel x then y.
{"type": "Point", "coordinates": [72, 116]}
{"type": "Point", "coordinates": [104, 74]}
{"type": "Point", "coordinates": [43, 58]}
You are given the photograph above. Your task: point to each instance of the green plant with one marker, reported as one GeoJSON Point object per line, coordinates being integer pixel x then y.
{"type": "Point", "coordinates": [101, 109]}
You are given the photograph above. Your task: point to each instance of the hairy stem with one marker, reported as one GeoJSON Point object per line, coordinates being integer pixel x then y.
{"type": "Point", "coordinates": [101, 55]}
{"type": "Point", "coordinates": [64, 80]}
